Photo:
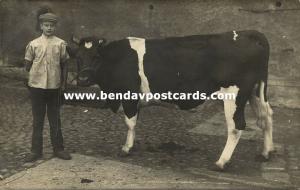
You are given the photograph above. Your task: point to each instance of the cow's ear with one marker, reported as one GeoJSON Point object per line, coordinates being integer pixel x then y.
{"type": "Point", "coordinates": [75, 40]}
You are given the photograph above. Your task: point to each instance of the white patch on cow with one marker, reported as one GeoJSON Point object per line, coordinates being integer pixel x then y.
{"type": "Point", "coordinates": [264, 114]}
{"type": "Point", "coordinates": [88, 45]}
{"type": "Point", "coordinates": [138, 44]}
{"type": "Point", "coordinates": [233, 135]}
{"type": "Point", "coordinates": [130, 122]}
{"type": "Point", "coordinates": [235, 35]}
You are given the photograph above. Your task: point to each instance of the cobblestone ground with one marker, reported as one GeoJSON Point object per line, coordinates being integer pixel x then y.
{"type": "Point", "coordinates": [163, 139]}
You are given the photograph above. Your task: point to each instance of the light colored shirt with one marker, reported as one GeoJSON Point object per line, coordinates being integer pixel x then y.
{"type": "Point", "coordinates": [46, 54]}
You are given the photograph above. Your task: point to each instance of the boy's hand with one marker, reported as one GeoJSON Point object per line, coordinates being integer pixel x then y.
{"type": "Point", "coordinates": [64, 75]}
{"type": "Point", "coordinates": [28, 65]}
{"type": "Point", "coordinates": [63, 86]}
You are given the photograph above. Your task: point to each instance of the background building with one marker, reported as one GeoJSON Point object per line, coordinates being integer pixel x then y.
{"type": "Point", "coordinates": [114, 19]}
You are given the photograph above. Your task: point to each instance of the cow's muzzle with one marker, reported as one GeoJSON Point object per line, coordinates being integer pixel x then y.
{"type": "Point", "coordinates": [84, 77]}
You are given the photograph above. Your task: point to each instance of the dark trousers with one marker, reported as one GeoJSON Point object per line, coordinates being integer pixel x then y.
{"type": "Point", "coordinates": [43, 100]}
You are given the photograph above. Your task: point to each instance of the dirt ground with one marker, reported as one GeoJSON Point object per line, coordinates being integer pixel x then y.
{"type": "Point", "coordinates": [173, 149]}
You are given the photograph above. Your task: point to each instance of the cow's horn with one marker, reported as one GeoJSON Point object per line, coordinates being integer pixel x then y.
{"type": "Point", "coordinates": [102, 41]}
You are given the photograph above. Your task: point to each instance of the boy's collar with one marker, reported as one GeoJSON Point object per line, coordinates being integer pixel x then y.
{"type": "Point", "coordinates": [47, 37]}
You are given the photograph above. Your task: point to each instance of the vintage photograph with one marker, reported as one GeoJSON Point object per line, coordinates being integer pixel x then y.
{"type": "Point", "coordinates": [149, 94]}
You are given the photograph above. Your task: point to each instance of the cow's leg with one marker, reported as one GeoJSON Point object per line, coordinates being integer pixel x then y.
{"type": "Point", "coordinates": [264, 114]}
{"type": "Point", "coordinates": [130, 122]}
{"type": "Point", "coordinates": [131, 113]}
{"type": "Point", "coordinates": [235, 120]}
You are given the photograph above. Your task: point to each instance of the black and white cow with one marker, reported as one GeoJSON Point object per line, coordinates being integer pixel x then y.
{"type": "Point", "coordinates": [235, 62]}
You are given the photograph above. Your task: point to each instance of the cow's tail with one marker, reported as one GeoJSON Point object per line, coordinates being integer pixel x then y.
{"type": "Point", "coordinates": [263, 76]}
{"type": "Point", "coordinates": [261, 106]}
{"type": "Point", "coordinates": [259, 99]}
{"type": "Point", "coordinates": [262, 90]}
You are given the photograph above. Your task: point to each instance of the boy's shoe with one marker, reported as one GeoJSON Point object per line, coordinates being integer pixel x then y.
{"type": "Point", "coordinates": [63, 155]}
{"type": "Point", "coordinates": [32, 157]}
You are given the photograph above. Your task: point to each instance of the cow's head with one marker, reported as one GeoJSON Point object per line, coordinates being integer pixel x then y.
{"type": "Point", "coordinates": [87, 58]}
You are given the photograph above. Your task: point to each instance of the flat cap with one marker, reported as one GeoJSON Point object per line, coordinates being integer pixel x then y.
{"type": "Point", "coordinates": [48, 17]}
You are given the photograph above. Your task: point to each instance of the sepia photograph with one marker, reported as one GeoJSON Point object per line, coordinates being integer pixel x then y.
{"type": "Point", "coordinates": [149, 94]}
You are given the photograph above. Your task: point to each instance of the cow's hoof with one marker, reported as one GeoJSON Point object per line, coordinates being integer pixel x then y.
{"type": "Point", "coordinates": [123, 154]}
{"type": "Point", "coordinates": [265, 158]}
{"type": "Point", "coordinates": [272, 152]}
{"type": "Point", "coordinates": [125, 151]}
{"type": "Point", "coordinates": [262, 158]}
{"type": "Point", "coordinates": [219, 167]}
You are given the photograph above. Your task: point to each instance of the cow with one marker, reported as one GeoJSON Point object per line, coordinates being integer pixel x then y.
{"type": "Point", "coordinates": [230, 62]}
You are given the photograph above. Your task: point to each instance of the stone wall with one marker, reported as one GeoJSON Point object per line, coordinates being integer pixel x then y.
{"type": "Point", "coordinates": [116, 19]}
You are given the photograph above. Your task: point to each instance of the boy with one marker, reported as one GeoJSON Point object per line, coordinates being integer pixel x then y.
{"type": "Point", "coordinates": [45, 60]}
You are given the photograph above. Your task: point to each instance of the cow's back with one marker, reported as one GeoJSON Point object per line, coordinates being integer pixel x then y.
{"type": "Point", "coordinates": [204, 62]}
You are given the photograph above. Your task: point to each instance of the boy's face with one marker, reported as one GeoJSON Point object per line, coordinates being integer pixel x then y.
{"type": "Point", "coordinates": [48, 28]}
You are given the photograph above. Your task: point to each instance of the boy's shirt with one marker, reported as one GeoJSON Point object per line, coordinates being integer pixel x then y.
{"type": "Point", "coordinates": [46, 54]}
